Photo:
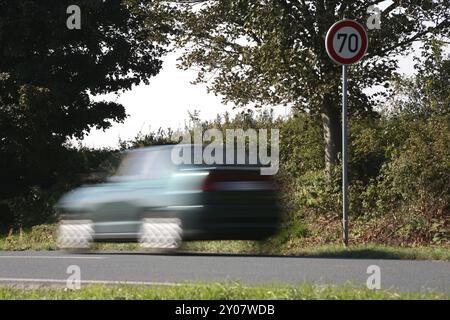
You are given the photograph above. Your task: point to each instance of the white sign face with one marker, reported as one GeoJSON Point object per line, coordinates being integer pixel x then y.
{"type": "Point", "coordinates": [346, 42]}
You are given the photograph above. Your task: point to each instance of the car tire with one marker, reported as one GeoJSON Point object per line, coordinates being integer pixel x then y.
{"type": "Point", "coordinates": [75, 235]}
{"type": "Point", "coordinates": [161, 233]}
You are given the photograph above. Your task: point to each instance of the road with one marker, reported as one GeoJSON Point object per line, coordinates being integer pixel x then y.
{"type": "Point", "coordinates": [50, 268]}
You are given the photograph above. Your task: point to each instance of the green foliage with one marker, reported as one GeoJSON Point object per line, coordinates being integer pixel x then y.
{"type": "Point", "coordinates": [415, 186]}
{"type": "Point", "coordinates": [35, 206]}
{"type": "Point", "coordinates": [314, 190]}
{"type": "Point", "coordinates": [399, 183]}
{"type": "Point", "coordinates": [213, 291]}
{"type": "Point", "coordinates": [426, 94]}
{"type": "Point", "coordinates": [301, 147]}
{"type": "Point", "coordinates": [152, 138]}
{"type": "Point", "coordinates": [292, 229]}
{"type": "Point", "coordinates": [272, 52]}
{"type": "Point", "coordinates": [49, 73]}
{"type": "Point", "coordinates": [40, 237]}
{"type": "Point", "coordinates": [264, 53]}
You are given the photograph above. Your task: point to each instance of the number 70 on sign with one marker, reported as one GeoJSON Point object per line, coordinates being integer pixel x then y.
{"type": "Point", "coordinates": [346, 42]}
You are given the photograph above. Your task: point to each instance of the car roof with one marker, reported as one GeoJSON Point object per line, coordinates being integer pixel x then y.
{"type": "Point", "coordinates": [171, 146]}
{"type": "Point", "coordinates": [161, 147]}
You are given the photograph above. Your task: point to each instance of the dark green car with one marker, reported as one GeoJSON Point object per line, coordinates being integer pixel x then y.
{"type": "Point", "coordinates": [158, 203]}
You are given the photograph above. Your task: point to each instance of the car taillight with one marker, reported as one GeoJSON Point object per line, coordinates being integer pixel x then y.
{"type": "Point", "coordinates": [237, 182]}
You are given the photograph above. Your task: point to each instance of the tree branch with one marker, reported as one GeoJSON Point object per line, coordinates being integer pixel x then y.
{"type": "Point", "coordinates": [410, 40]}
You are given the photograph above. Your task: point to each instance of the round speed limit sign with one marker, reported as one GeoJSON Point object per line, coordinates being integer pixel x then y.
{"type": "Point", "coordinates": [346, 42]}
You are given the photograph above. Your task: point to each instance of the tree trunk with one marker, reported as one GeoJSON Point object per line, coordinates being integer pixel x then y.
{"type": "Point", "coordinates": [331, 124]}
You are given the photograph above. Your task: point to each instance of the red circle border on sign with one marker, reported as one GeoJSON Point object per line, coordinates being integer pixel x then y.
{"type": "Point", "coordinates": [329, 41]}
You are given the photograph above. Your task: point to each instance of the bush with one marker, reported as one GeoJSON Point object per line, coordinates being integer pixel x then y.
{"type": "Point", "coordinates": [36, 205]}
{"type": "Point", "coordinates": [414, 186]}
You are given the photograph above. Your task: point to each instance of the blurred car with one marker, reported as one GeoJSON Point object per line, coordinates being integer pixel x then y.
{"type": "Point", "coordinates": [159, 204]}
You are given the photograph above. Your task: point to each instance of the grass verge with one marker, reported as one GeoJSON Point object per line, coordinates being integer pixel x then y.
{"type": "Point", "coordinates": [217, 291]}
{"type": "Point", "coordinates": [42, 237]}
{"type": "Point", "coordinates": [365, 251]}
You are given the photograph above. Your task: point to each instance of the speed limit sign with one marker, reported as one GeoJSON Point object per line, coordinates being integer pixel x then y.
{"type": "Point", "coordinates": [346, 42]}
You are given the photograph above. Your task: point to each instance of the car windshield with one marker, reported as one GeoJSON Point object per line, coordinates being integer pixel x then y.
{"type": "Point", "coordinates": [144, 165]}
{"type": "Point", "coordinates": [130, 165]}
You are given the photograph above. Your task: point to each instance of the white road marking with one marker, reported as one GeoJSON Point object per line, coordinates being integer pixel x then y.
{"type": "Point", "coordinates": [50, 257]}
{"type": "Point", "coordinates": [19, 280]}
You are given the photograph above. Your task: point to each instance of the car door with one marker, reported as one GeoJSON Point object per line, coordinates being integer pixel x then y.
{"type": "Point", "coordinates": [139, 186]}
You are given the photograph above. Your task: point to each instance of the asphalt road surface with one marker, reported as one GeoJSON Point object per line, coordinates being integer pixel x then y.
{"type": "Point", "coordinates": [50, 268]}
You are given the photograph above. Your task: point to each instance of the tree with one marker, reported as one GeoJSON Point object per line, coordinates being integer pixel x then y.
{"type": "Point", "coordinates": [272, 52]}
{"type": "Point", "coordinates": [427, 93]}
{"type": "Point", "coordinates": [48, 74]}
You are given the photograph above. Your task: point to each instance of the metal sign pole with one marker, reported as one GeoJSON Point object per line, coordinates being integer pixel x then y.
{"type": "Point", "coordinates": [345, 53]}
{"type": "Point", "coordinates": [344, 157]}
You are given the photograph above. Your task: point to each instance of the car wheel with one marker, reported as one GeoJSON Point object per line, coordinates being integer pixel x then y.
{"type": "Point", "coordinates": [161, 233]}
{"type": "Point", "coordinates": [76, 234]}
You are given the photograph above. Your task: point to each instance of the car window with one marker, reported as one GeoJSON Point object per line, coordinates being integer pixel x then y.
{"type": "Point", "coordinates": [131, 165]}
{"type": "Point", "coordinates": [158, 165]}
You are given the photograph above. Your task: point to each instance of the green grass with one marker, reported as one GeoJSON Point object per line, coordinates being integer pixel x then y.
{"type": "Point", "coordinates": [42, 237]}
{"type": "Point", "coordinates": [219, 291]}
{"type": "Point", "coordinates": [367, 251]}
